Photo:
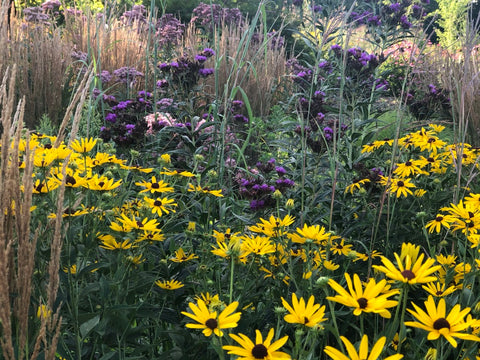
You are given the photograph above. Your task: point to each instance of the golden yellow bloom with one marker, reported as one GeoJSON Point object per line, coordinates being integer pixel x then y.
{"type": "Point", "coordinates": [205, 190]}
{"type": "Point", "coordinates": [439, 221]}
{"type": "Point", "coordinates": [438, 323]}
{"type": "Point", "coordinates": [153, 186]}
{"type": "Point", "coordinates": [169, 284]}
{"type": "Point", "coordinates": [372, 299]}
{"type": "Point", "coordinates": [314, 233]}
{"type": "Point", "coordinates": [169, 172]}
{"type": "Point", "coordinates": [83, 145]}
{"type": "Point", "coordinates": [437, 289]}
{"type": "Point", "coordinates": [274, 226]}
{"type": "Point", "coordinates": [362, 353]}
{"type": "Point", "coordinates": [400, 187]}
{"type": "Point", "coordinates": [43, 312]}
{"type": "Point", "coordinates": [180, 256]}
{"type": "Point", "coordinates": [408, 271]}
{"type": "Point", "coordinates": [258, 245]}
{"type": "Point", "coordinates": [209, 321]}
{"type": "Point", "coordinates": [109, 243]}
{"type": "Point", "coordinates": [101, 183]}
{"type": "Point", "coordinates": [356, 185]}
{"type": "Point", "coordinates": [161, 205]}
{"type": "Point", "coordinates": [260, 349]}
{"type": "Point", "coordinates": [341, 248]}
{"type": "Point", "coordinates": [70, 270]}
{"type": "Point", "coordinates": [309, 314]}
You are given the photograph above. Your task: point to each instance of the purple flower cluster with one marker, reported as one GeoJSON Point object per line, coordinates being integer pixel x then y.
{"type": "Point", "coordinates": [184, 72]}
{"type": "Point", "coordinates": [393, 14]}
{"type": "Point", "coordinates": [125, 124]}
{"type": "Point", "coordinates": [258, 187]}
{"type": "Point", "coordinates": [127, 75]}
{"type": "Point", "coordinates": [212, 15]}
{"type": "Point", "coordinates": [236, 108]}
{"type": "Point", "coordinates": [138, 14]}
{"type": "Point", "coordinates": [36, 15]}
{"type": "Point", "coordinates": [51, 5]}
{"type": "Point", "coordinates": [169, 30]}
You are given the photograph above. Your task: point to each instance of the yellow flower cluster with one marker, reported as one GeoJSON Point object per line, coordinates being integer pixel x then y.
{"type": "Point", "coordinates": [438, 157]}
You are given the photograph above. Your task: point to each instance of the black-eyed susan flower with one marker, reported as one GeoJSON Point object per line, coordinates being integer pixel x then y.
{"type": "Point", "coordinates": [274, 226]}
{"type": "Point", "coordinates": [400, 187]}
{"type": "Point", "coordinates": [181, 256]}
{"type": "Point", "coordinates": [373, 299]}
{"type": "Point", "coordinates": [155, 186]}
{"type": "Point", "coordinates": [231, 247]}
{"type": "Point", "coordinates": [44, 158]}
{"type": "Point", "coordinates": [260, 349]}
{"type": "Point", "coordinates": [169, 172]}
{"type": "Point", "coordinates": [169, 284]}
{"type": "Point", "coordinates": [438, 323]}
{"type": "Point", "coordinates": [362, 353]}
{"type": "Point", "coordinates": [44, 186]}
{"type": "Point", "coordinates": [330, 265]}
{"type": "Point", "coordinates": [258, 245]}
{"type": "Point", "coordinates": [209, 321]}
{"type": "Point", "coordinates": [205, 190]}
{"type": "Point", "coordinates": [438, 289]}
{"type": "Point", "coordinates": [151, 236]}
{"type": "Point", "coordinates": [135, 260]}
{"type": "Point", "coordinates": [410, 272]}
{"type": "Point", "coordinates": [212, 301]}
{"type": "Point", "coordinates": [70, 269]}
{"type": "Point", "coordinates": [448, 260]}
{"type": "Point", "coordinates": [409, 168]}
{"type": "Point", "coordinates": [109, 243]}
{"type": "Point", "coordinates": [309, 314]}
{"type": "Point", "coordinates": [340, 248]}
{"type": "Point", "coordinates": [439, 222]}
{"type": "Point", "coordinates": [83, 145]}
{"type": "Point", "coordinates": [126, 224]}
{"type": "Point", "coordinates": [101, 183]}
{"type": "Point", "coordinates": [313, 233]}
{"type": "Point", "coordinates": [161, 205]}
{"type": "Point", "coordinates": [356, 185]}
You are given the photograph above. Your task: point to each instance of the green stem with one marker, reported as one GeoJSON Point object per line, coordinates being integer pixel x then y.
{"type": "Point", "coordinates": [401, 333]}
{"type": "Point", "coordinates": [232, 268]}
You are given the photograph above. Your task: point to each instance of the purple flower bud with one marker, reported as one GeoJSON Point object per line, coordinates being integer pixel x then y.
{"type": "Point", "coordinates": [206, 72]}
{"type": "Point", "coordinates": [200, 58]}
{"type": "Point", "coordinates": [111, 117]}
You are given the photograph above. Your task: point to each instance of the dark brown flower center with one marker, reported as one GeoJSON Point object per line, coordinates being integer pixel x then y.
{"type": "Point", "coordinates": [408, 163]}
{"type": "Point", "coordinates": [259, 351]}
{"type": "Point", "coordinates": [430, 159]}
{"type": "Point", "coordinates": [439, 218]}
{"type": "Point", "coordinates": [431, 140]}
{"type": "Point", "coordinates": [362, 303]}
{"type": "Point", "coordinates": [441, 324]}
{"type": "Point", "coordinates": [305, 320]}
{"type": "Point", "coordinates": [400, 183]}
{"type": "Point", "coordinates": [155, 186]}
{"type": "Point", "coordinates": [211, 324]}
{"type": "Point", "coordinates": [70, 180]}
{"type": "Point", "coordinates": [157, 203]}
{"type": "Point", "coordinates": [139, 224]}
{"type": "Point", "coordinates": [101, 183]}
{"type": "Point", "coordinates": [408, 274]}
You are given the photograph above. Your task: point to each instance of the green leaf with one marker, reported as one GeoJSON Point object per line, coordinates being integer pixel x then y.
{"type": "Point", "coordinates": [88, 326]}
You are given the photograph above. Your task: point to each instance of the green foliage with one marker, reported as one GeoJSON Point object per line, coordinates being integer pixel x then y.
{"type": "Point", "coordinates": [452, 19]}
